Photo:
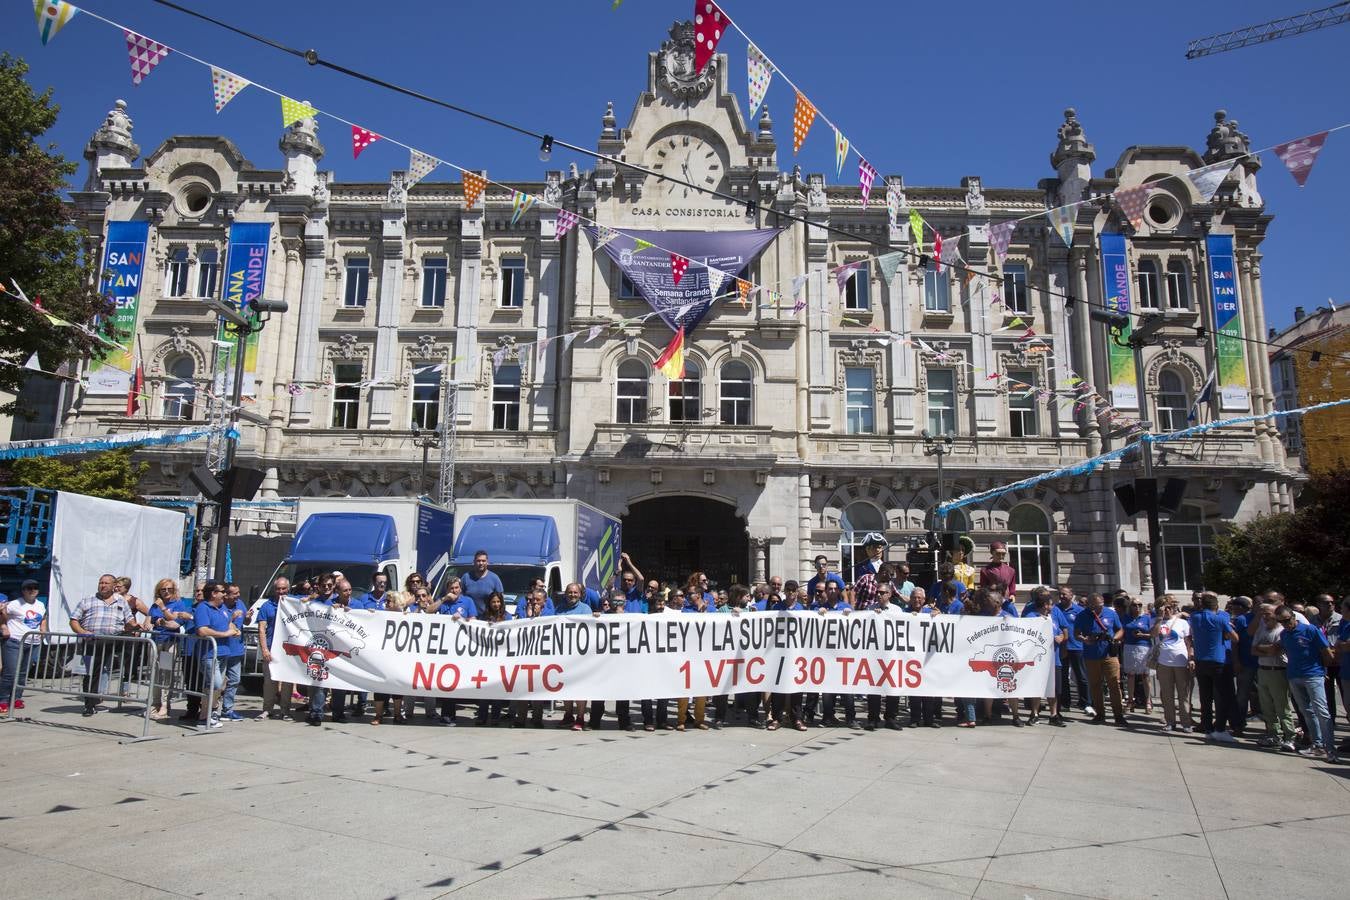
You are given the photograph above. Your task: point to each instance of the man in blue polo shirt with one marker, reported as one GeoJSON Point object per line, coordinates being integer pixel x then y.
{"type": "Point", "coordinates": [480, 582]}
{"type": "Point", "coordinates": [574, 604]}
{"type": "Point", "coordinates": [1098, 628]}
{"type": "Point", "coordinates": [265, 618]}
{"type": "Point", "coordinates": [1308, 652]}
{"type": "Point", "coordinates": [1071, 655]}
{"type": "Point", "coordinates": [823, 577]}
{"type": "Point", "coordinates": [232, 653]}
{"type": "Point", "coordinates": [1211, 632]}
{"type": "Point", "coordinates": [1244, 662]}
{"type": "Point", "coordinates": [634, 588]}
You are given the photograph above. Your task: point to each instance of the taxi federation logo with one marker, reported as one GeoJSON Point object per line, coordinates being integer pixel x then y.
{"type": "Point", "coordinates": [1002, 662]}
{"type": "Point", "coordinates": [316, 648]}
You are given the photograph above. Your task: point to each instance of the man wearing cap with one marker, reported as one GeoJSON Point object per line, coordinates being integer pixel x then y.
{"type": "Point", "coordinates": [874, 545]}
{"type": "Point", "coordinates": [998, 575]}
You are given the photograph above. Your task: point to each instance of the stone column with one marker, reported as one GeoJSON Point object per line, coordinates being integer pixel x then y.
{"type": "Point", "coordinates": [283, 348]}
{"type": "Point", "coordinates": [547, 315]}
{"type": "Point", "coordinates": [1082, 348]}
{"type": "Point", "coordinates": [310, 316]}
{"type": "Point", "coordinates": [466, 312]}
{"type": "Point", "coordinates": [899, 315]}
{"type": "Point", "coordinates": [820, 303]}
{"type": "Point", "coordinates": [759, 559]}
{"type": "Point", "coordinates": [387, 310]}
{"type": "Point", "coordinates": [1059, 282]}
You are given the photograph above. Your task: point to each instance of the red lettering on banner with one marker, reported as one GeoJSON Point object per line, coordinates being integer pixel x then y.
{"type": "Point", "coordinates": [448, 669]}
{"type": "Point", "coordinates": [750, 675]}
{"type": "Point", "coordinates": [890, 672]}
{"type": "Point", "coordinates": [553, 669]}
{"type": "Point", "coordinates": [425, 676]}
{"type": "Point", "coordinates": [864, 674]}
{"type": "Point", "coordinates": [844, 663]}
{"type": "Point", "coordinates": [422, 676]}
{"type": "Point", "coordinates": [913, 673]}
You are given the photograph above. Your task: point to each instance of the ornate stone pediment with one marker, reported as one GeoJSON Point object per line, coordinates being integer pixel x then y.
{"type": "Point", "coordinates": [675, 65]}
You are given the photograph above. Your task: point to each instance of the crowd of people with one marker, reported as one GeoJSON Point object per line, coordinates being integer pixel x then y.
{"type": "Point", "coordinates": [1209, 671]}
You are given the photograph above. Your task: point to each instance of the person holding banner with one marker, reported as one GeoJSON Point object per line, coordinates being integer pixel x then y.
{"type": "Point", "coordinates": [1041, 607]}
{"type": "Point", "coordinates": [265, 618]}
{"type": "Point", "coordinates": [494, 611]}
{"type": "Point", "coordinates": [530, 606]}
{"type": "Point", "coordinates": [574, 711]}
{"type": "Point", "coordinates": [317, 695]}
{"type": "Point", "coordinates": [881, 605]}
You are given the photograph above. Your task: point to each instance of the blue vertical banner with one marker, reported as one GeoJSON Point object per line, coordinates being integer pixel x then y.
{"type": "Point", "coordinates": [1230, 357]}
{"type": "Point", "coordinates": [1116, 297]}
{"type": "Point", "coordinates": [245, 278]}
{"type": "Point", "coordinates": [123, 274]}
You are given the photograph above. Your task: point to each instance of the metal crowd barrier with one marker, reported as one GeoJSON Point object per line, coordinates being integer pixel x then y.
{"type": "Point", "coordinates": [93, 669]}
{"type": "Point", "coordinates": [180, 675]}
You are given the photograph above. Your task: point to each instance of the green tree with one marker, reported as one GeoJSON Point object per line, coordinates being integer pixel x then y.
{"type": "Point", "coordinates": [40, 244]}
{"type": "Point", "coordinates": [1300, 554]}
{"type": "Point", "coordinates": [110, 474]}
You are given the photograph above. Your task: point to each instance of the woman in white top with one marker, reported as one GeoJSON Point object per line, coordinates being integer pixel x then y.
{"type": "Point", "coordinates": [19, 618]}
{"type": "Point", "coordinates": [1176, 665]}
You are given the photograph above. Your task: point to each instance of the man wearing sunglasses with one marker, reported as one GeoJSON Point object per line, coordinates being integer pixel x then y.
{"type": "Point", "coordinates": [1309, 653]}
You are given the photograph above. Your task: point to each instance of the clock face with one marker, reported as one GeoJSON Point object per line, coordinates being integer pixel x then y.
{"type": "Point", "coordinates": [689, 159]}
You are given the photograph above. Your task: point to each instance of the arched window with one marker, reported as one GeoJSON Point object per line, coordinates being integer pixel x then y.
{"type": "Point", "coordinates": [632, 393]}
{"type": "Point", "coordinates": [1029, 545]}
{"type": "Point", "coordinates": [956, 522]}
{"type": "Point", "coordinates": [1172, 400]}
{"type": "Point", "coordinates": [1189, 543]}
{"type": "Point", "coordinates": [179, 391]}
{"type": "Point", "coordinates": [855, 522]}
{"type": "Point", "coordinates": [736, 391]}
{"type": "Point", "coordinates": [685, 395]}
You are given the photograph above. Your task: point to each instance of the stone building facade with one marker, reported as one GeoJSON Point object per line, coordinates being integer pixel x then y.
{"type": "Point", "coordinates": [791, 435]}
{"type": "Point", "coordinates": [1310, 368]}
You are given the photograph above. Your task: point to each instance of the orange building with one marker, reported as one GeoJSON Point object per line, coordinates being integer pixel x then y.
{"type": "Point", "coordinates": [1312, 368]}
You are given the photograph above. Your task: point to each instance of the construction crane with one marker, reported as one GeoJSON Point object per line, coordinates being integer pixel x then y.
{"type": "Point", "coordinates": [1336, 14]}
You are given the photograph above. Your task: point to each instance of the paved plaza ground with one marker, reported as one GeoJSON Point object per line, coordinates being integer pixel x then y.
{"type": "Point", "coordinates": [278, 809]}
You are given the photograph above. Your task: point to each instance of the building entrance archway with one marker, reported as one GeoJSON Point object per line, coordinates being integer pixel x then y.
{"type": "Point", "coordinates": [669, 537]}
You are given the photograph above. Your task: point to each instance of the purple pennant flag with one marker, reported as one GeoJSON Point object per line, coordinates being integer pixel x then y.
{"type": "Point", "coordinates": [498, 358]}
{"type": "Point", "coordinates": [594, 332]}
{"type": "Point", "coordinates": [1000, 236]}
{"type": "Point", "coordinates": [1299, 155]}
{"type": "Point", "coordinates": [866, 175]}
{"type": "Point", "coordinates": [844, 273]}
{"type": "Point", "coordinates": [567, 220]}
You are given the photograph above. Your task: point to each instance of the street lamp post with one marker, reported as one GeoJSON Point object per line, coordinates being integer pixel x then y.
{"type": "Point", "coordinates": [426, 440]}
{"type": "Point", "coordinates": [939, 447]}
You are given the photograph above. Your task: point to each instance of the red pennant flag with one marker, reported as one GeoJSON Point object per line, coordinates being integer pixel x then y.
{"type": "Point", "coordinates": [1132, 201]}
{"type": "Point", "coordinates": [137, 389]}
{"type": "Point", "coordinates": [1299, 155]}
{"type": "Point", "coordinates": [937, 251]}
{"type": "Point", "coordinates": [145, 54]}
{"type": "Point", "coordinates": [678, 264]}
{"type": "Point", "coordinates": [709, 25]}
{"type": "Point", "coordinates": [361, 139]}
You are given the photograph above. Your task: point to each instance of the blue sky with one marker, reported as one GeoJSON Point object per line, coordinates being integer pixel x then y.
{"type": "Point", "coordinates": [930, 91]}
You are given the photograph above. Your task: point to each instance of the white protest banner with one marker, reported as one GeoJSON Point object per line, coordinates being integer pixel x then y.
{"type": "Point", "coordinates": [633, 657]}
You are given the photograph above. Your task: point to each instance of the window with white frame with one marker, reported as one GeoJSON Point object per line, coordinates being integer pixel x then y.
{"type": "Point", "coordinates": [357, 289]}
{"type": "Point", "coordinates": [180, 392]}
{"type": "Point", "coordinates": [513, 283]}
{"type": "Point", "coordinates": [686, 395]}
{"type": "Point", "coordinates": [346, 395]}
{"type": "Point", "coordinates": [506, 397]}
{"type": "Point", "coordinates": [1188, 544]}
{"type": "Point", "coordinates": [857, 290]}
{"type": "Point", "coordinates": [1015, 288]}
{"type": "Point", "coordinates": [936, 292]}
{"type": "Point", "coordinates": [857, 519]}
{"type": "Point", "coordinates": [1029, 545]}
{"type": "Point", "coordinates": [631, 393]}
{"type": "Point", "coordinates": [1022, 418]}
{"type": "Point", "coordinates": [179, 269]}
{"type": "Point", "coordinates": [860, 400]}
{"type": "Point", "coordinates": [1146, 284]}
{"type": "Point", "coordinates": [1173, 402]}
{"type": "Point", "coordinates": [736, 388]}
{"type": "Point", "coordinates": [426, 397]}
{"type": "Point", "coordinates": [1178, 285]}
{"type": "Point", "coordinates": [941, 400]}
{"type": "Point", "coordinates": [434, 272]}
{"type": "Point", "coordinates": [208, 271]}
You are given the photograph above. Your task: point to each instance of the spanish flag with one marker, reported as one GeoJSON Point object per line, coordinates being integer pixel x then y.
{"type": "Point", "coordinates": [671, 362]}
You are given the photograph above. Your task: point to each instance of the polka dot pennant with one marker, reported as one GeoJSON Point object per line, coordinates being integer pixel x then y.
{"type": "Point", "coordinates": [802, 118]}
{"type": "Point", "coordinates": [709, 25]}
{"type": "Point", "coordinates": [759, 73]}
{"type": "Point", "coordinates": [225, 85]}
{"type": "Point", "coordinates": [293, 111]}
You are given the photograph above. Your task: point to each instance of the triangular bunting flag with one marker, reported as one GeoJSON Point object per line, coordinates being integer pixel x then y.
{"type": "Point", "coordinates": [709, 26]}
{"type": "Point", "coordinates": [683, 311]}
{"type": "Point", "coordinates": [802, 117]}
{"type": "Point", "coordinates": [145, 54]}
{"type": "Point", "coordinates": [137, 390]}
{"type": "Point", "coordinates": [743, 288]}
{"type": "Point", "coordinates": [840, 152]}
{"type": "Point", "coordinates": [1131, 201]}
{"type": "Point", "coordinates": [844, 273]}
{"type": "Point", "coordinates": [33, 363]}
{"type": "Point", "coordinates": [594, 332]}
{"type": "Point", "coordinates": [893, 204]}
{"type": "Point", "coordinates": [361, 139]}
{"type": "Point", "coordinates": [603, 235]}
{"type": "Point", "coordinates": [1208, 179]}
{"type": "Point", "coordinates": [1016, 323]}
{"type": "Point", "coordinates": [1000, 236]}
{"type": "Point", "coordinates": [1061, 220]}
{"type": "Point", "coordinates": [798, 301]}
{"type": "Point", "coordinates": [715, 279]}
{"type": "Point", "coordinates": [224, 85]}
{"type": "Point", "coordinates": [758, 73]}
{"type": "Point", "coordinates": [520, 204]}
{"type": "Point", "coordinates": [951, 252]}
{"type": "Point", "coordinates": [671, 361]}
{"type": "Point", "coordinates": [639, 245]}
{"type": "Point", "coordinates": [568, 339]}
{"type": "Point", "coordinates": [890, 264]}
{"type": "Point", "coordinates": [678, 265]}
{"type": "Point", "coordinates": [916, 229]}
{"type": "Point", "coordinates": [498, 357]}
{"type": "Point", "coordinates": [1299, 155]}
{"type": "Point", "coordinates": [866, 176]}
{"type": "Point", "coordinates": [567, 220]}
{"type": "Point", "coordinates": [474, 184]}
{"type": "Point", "coordinates": [52, 16]}
{"type": "Point", "coordinates": [420, 166]}
{"type": "Point", "coordinates": [293, 111]}
{"type": "Point", "coordinates": [937, 252]}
